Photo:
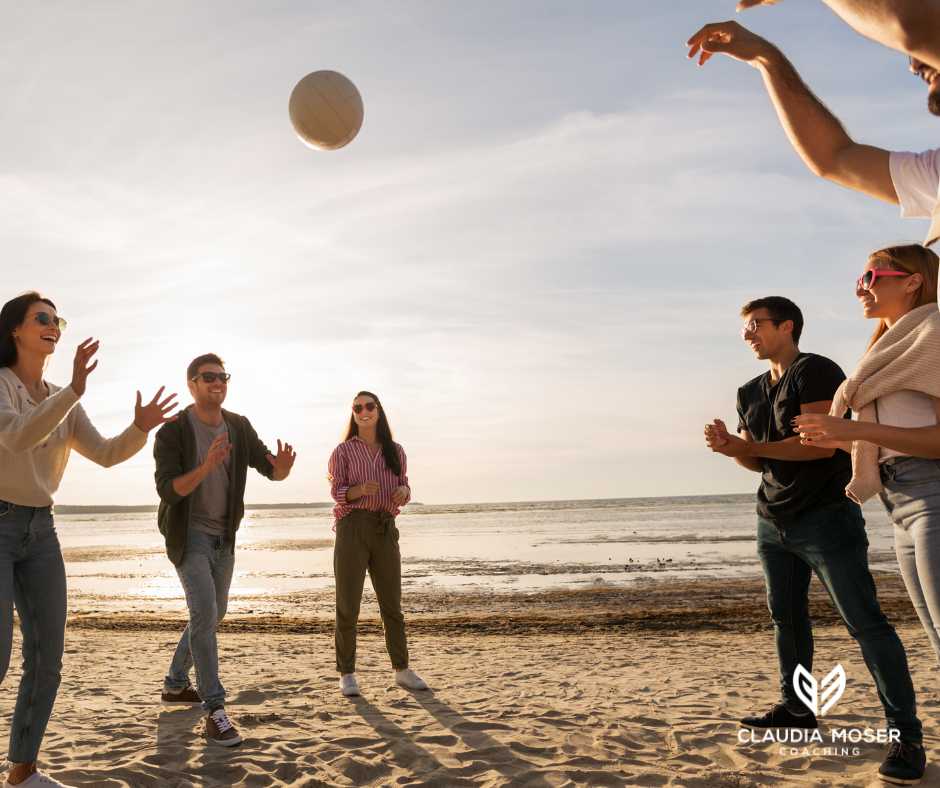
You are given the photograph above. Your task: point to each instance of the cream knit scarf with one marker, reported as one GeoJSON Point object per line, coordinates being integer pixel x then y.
{"type": "Point", "coordinates": [905, 358]}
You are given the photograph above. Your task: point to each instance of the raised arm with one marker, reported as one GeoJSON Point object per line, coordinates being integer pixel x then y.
{"type": "Point", "coordinates": [814, 132]}
{"type": "Point", "coordinates": [908, 26]}
{"type": "Point", "coordinates": [21, 432]}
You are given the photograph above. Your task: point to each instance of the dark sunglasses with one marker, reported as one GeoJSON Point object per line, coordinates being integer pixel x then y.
{"type": "Point", "coordinates": [45, 319]}
{"type": "Point", "coordinates": [369, 406]}
{"type": "Point", "coordinates": [867, 280]}
{"type": "Point", "coordinates": [212, 377]}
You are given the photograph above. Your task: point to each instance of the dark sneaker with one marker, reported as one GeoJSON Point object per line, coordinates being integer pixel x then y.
{"type": "Point", "coordinates": [904, 764]}
{"type": "Point", "coordinates": [781, 717]}
{"type": "Point", "coordinates": [185, 697]}
{"type": "Point", "coordinates": [219, 729]}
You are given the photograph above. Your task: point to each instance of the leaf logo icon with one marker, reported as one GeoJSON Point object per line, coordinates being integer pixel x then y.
{"type": "Point", "coordinates": [819, 697]}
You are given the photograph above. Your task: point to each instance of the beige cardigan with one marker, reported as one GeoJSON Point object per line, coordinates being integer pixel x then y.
{"type": "Point", "coordinates": [905, 358]}
{"type": "Point", "coordinates": [37, 438]}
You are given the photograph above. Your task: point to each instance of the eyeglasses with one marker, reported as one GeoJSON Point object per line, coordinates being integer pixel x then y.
{"type": "Point", "coordinates": [867, 280]}
{"type": "Point", "coordinates": [45, 319]}
{"type": "Point", "coordinates": [212, 377]}
{"type": "Point", "coordinates": [369, 406]}
{"type": "Point", "coordinates": [753, 324]}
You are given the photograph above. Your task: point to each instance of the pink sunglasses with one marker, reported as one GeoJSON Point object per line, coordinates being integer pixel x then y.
{"type": "Point", "coordinates": [867, 280]}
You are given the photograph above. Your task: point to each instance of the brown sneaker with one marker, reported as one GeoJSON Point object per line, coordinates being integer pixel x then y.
{"type": "Point", "coordinates": [185, 697]}
{"type": "Point", "coordinates": [219, 729]}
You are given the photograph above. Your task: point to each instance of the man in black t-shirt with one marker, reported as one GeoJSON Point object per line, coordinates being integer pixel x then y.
{"type": "Point", "coordinates": [805, 523]}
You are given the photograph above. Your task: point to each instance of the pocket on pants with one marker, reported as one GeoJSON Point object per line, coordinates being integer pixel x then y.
{"type": "Point", "coordinates": [5, 508]}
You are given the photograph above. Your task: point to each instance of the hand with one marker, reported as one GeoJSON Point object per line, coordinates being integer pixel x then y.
{"type": "Point", "coordinates": [716, 434]}
{"type": "Point", "coordinates": [284, 460]}
{"type": "Point", "coordinates": [743, 5]}
{"type": "Point", "coordinates": [734, 447]}
{"type": "Point", "coordinates": [155, 412]}
{"type": "Point", "coordinates": [368, 488]}
{"type": "Point", "coordinates": [824, 431]}
{"type": "Point", "coordinates": [731, 39]}
{"type": "Point", "coordinates": [80, 368]}
{"type": "Point", "coordinates": [400, 495]}
{"type": "Point", "coordinates": [218, 452]}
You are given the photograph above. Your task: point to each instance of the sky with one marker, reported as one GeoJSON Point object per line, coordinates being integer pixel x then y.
{"type": "Point", "coordinates": [534, 252]}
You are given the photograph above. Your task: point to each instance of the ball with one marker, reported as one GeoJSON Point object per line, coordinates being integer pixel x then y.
{"type": "Point", "coordinates": [325, 110]}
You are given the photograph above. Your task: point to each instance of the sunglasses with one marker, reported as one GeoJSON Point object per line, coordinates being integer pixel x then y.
{"type": "Point", "coordinates": [45, 319]}
{"type": "Point", "coordinates": [753, 324]}
{"type": "Point", "coordinates": [369, 406]}
{"type": "Point", "coordinates": [867, 280]}
{"type": "Point", "coordinates": [212, 377]}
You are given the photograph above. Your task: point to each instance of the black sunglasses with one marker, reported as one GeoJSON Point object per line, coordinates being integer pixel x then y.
{"type": "Point", "coordinates": [369, 406]}
{"type": "Point", "coordinates": [212, 377]}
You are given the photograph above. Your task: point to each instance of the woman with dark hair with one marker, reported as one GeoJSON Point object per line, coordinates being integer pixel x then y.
{"type": "Point", "coordinates": [895, 394]}
{"type": "Point", "coordinates": [40, 424]}
{"type": "Point", "coordinates": [369, 482]}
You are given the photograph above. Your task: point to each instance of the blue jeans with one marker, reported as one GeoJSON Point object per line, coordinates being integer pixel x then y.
{"type": "Point", "coordinates": [912, 498]}
{"type": "Point", "coordinates": [831, 542]}
{"type": "Point", "coordinates": [32, 576]}
{"type": "Point", "coordinates": [206, 574]}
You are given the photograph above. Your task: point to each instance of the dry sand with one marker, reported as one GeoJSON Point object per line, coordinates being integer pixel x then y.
{"type": "Point", "coordinates": [545, 692]}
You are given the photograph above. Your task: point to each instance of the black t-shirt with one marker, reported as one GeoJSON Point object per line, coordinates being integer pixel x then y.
{"type": "Point", "coordinates": [765, 410]}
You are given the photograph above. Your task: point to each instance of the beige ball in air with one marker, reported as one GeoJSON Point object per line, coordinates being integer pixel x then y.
{"type": "Point", "coordinates": [325, 110]}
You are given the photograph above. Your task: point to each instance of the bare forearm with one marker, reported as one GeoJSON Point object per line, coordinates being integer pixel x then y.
{"type": "Point", "coordinates": [185, 484]}
{"type": "Point", "coordinates": [750, 463]}
{"type": "Point", "coordinates": [790, 450]}
{"type": "Point", "coordinates": [912, 441]}
{"type": "Point", "coordinates": [815, 133]}
{"type": "Point", "coordinates": [908, 26]}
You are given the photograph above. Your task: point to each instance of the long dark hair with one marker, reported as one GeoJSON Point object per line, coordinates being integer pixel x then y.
{"type": "Point", "coordinates": [11, 317]}
{"type": "Point", "coordinates": [382, 431]}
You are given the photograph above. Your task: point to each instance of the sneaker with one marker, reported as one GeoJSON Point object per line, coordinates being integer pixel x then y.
{"type": "Point", "coordinates": [184, 697]}
{"type": "Point", "coordinates": [781, 717]}
{"type": "Point", "coordinates": [348, 685]}
{"type": "Point", "coordinates": [37, 780]}
{"type": "Point", "coordinates": [408, 679]}
{"type": "Point", "coordinates": [219, 729]}
{"type": "Point", "coordinates": [904, 764]}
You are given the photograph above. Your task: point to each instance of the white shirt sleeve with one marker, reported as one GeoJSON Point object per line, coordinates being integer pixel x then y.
{"type": "Point", "coordinates": [104, 451]}
{"type": "Point", "coordinates": [916, 178]}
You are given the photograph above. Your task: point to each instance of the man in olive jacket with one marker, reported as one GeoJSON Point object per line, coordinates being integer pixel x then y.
{"type": "Point", "coordinates": [202, 460]}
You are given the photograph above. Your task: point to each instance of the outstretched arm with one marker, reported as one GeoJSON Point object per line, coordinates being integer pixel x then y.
{"type": "Point", "coordinates": [909, 26]}
{"type": "Point", "coordinates": [814, 132]}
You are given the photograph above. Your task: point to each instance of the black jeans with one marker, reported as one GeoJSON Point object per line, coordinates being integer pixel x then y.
{"type": "Point", "coordinates": [831, 542]}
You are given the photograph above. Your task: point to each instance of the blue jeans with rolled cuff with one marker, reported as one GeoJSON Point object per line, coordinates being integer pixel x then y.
{"type": "Point", "coordinates": [206, 575]}
{"type": "Point", "coordinates": [32, 578]}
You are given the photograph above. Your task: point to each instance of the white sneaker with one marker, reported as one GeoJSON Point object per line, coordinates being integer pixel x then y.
{"type": "Point", "coordinates": [408, 679]}
{"type": "Point", "coordinates": [348, 685]}
{"type": "Point", "coordinates": [37, 780]}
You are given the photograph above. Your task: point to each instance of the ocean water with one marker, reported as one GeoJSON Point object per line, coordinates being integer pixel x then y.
{"type": "Point", "coordinates": [116, 560]}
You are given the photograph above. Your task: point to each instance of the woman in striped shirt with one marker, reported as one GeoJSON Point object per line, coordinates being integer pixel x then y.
{"type": "Point", "coordinates": [369, 482]}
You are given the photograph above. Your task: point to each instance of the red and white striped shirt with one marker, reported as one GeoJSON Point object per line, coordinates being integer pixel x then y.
{"type": "Point", "coordinates": [352, 464]}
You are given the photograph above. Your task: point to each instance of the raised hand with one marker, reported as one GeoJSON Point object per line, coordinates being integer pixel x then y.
{"type": "Point", "coordinates": [155, 412]}
{"type": "Point", "coordinates": [729, 38]}
{"type": "Point", "coordinates": [284, 460]}
{"type": "Point", "coordinates": [218, 452]}
{"type": "Point", "coordinates": [81, 369]}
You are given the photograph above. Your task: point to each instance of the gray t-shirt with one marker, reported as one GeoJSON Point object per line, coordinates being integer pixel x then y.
{"type": "Point", "coordinates": [210, 499]}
